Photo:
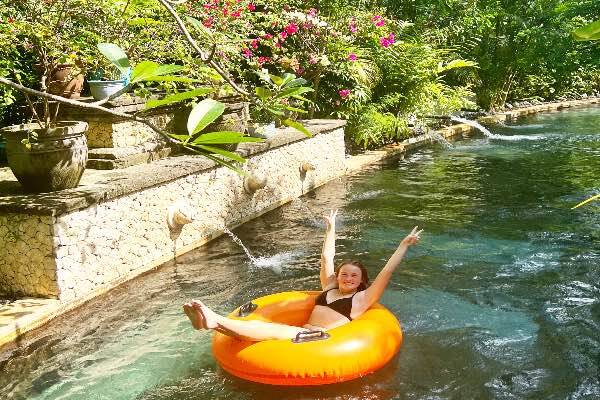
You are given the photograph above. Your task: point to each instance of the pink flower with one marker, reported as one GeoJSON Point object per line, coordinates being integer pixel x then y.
{"type": "Point", "coordinates": [352, 26]}
{"type": "Point", "coordinates": [208, 22]}
{"type": "Point", "coordinates": [376, 18]}
{"type": "Point", "coordinates": [352, 57]}
{"type": "Point", "coordinates": [344, 93]}
{"type": "Point", "coordinates": [236, 14]}
{"type": "Point", "coordinates": [262, 60]}
{"type": "Point", "coordinates": [312, 59]}
{"type": "Point", "coordinates": [278, 45]}
{"type": "Point", "coordinates": [247, 53]}
{"type": "Point", "coordinates": [291, 29]}
{"type": "Point", "coordinates": [312, 12]}
{"type": "Point", "coordinates": [251, 7]}
{"type": "Point", "coordinates": [380, 23]}
{"type": "Point", "coordinates": [299, 71]}
{"type": "Point", "coordinates": [283, 35]}
{"type": "Point", "coordinates": [387, 41]}
{"type": "Point", "coordinates": [268, 36]}
{"type": "Point", "coordinates": [254, 43]}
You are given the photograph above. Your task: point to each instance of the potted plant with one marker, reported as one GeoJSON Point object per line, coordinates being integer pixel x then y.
{"type": "Point", "coordinates": [46, 154]}
{"type": "Point", "coordinates": [110, 80]}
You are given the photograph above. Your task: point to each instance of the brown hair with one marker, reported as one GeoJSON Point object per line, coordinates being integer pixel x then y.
{"type": "Point", "coordinates": [364, 275]}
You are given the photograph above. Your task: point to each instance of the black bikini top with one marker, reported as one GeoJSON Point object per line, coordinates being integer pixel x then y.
{"type": "Point", "coordinates": [342, 306]}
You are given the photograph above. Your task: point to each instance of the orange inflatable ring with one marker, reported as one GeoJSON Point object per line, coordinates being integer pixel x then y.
{"type": "Point", "coordinates": [350, 351]}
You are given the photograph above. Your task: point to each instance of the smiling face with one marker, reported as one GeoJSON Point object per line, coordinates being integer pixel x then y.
{"type": "Point", "coordinates": [349, 277]}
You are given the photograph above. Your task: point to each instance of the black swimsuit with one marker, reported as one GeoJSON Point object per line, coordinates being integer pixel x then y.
{"type": "Point", "coordinates": [342, 306]}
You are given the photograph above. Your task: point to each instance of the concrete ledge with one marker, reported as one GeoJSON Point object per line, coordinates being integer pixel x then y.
{"type": "Point", "coordinates": [100, 186]}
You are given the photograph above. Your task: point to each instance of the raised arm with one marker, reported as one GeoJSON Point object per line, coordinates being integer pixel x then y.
{"type": "Point", "coordinates": [327, 273]}
{"type": "Point", "coordinates": [374, 292]}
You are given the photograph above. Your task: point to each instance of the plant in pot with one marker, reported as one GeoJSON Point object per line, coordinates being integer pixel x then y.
{"type": "Point", "coordinates": [277, 103]}
{"type": "Point", "coordinates": [110, 79]}
{"type": "Point", "coordinates": [46, 154]}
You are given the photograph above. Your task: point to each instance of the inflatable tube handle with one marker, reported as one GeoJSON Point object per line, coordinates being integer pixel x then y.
{"type": "Point", "coordinates": [247, 309]}
{"type": "Point", "coordinates": [310, 336]}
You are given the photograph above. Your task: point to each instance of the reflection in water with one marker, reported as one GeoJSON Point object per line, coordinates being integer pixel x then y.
{"type": "Point", "coordinates": [500, 300]}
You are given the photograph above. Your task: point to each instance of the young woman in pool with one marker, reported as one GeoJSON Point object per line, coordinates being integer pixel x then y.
{"type": "Point", "coordinates": [346, 295]}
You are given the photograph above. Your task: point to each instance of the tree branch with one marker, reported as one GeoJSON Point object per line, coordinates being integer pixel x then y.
{"type": "Point", "coordinates": [206, 58]}
{"type": "Point", "coordinates": [88, 106]}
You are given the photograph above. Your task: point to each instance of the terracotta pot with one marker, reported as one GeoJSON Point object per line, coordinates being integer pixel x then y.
{"type": "Point", "coordinates": [63, 82]}
{"type": "Point", "coordinates": [55, 161]}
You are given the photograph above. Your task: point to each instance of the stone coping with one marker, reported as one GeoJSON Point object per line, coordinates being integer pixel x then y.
{"type": "Point", "coordinates": [100, 185]}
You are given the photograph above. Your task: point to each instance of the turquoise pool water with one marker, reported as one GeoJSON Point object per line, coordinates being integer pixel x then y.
{"type": "Point", "coordinates": [500, 300]}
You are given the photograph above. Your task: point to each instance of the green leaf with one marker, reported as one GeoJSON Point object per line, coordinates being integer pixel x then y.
{"type": "Point", "coordinates": [224, 137]}
{"type": "Point", "coordinates": [293, 92]}
{"type": "Point", "coordinates": [176, 98]}
{"type": "Point", "coordinates": [151, 71]}
{"type": "Point", "coordinates": [168, 69]}
{"type": "Point", "coordinates": [181, 138]}
{"type": "Point", "coordinates": [203, 114]}
{"type": "Point", "coordinates": [276, 80]}
{"type": "Point", "coordinates": [173, 79]}
{"type": "Point", "coordinates": [296, 82]}
{"type": "Point", "coordinates": [588, 32]}
{"type": "Point", "coordinates": [263, 93]}
{"type": "Point", "coordinates": [455, 64]}
{"type": "Point", "coordinates": [296, 125]}
{"type": "Point", "coordinates": [224, 153]}
{"type": "Point", "coordinates": [287, 78]}
{"type": "Point", "coordinates": [116, 55]}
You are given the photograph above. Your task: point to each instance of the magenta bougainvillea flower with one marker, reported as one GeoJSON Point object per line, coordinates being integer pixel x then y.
{"type": "Point", "coordinates": [251, 7]}
{"type": "Point", "coordinates": [291, 29]}
{"type": "Point", "coordinates": [352, 57]}
{"type": "Point", "coordinates": [344, 93]}
{"type": "Point", "coordinates": [352, 25]}
{"type": "Point", "coordinates": [387, 41]}
{"type": "Point", "coordinates": [247, 53]}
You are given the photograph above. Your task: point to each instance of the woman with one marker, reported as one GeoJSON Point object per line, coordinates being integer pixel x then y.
{"type": "Point", "coordinates": [346, 296]}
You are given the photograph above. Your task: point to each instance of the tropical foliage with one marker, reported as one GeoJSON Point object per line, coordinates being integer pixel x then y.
{"type": "Point", "coordinates": [377, 64]}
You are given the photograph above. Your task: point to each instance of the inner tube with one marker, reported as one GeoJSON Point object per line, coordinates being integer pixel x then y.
{"type": "Point", "coordinates": [350, 351]}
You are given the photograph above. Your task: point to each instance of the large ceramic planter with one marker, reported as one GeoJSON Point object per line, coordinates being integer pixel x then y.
{"type": "Point", "coordinates": [63, 82]}
{"type": "Point", "coordinates": [103, 89]}
{"type": "Point", "coordinates": [55, 161]}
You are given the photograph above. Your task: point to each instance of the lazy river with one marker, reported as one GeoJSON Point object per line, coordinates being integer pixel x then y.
{"type": "Point", "coordinates": [501, 299]}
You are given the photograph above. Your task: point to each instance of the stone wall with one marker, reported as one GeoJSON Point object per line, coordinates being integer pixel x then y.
{"type": "Point", "coordinates": [27, 255]}
{"type": "Point", "coordinates": [70, 254]}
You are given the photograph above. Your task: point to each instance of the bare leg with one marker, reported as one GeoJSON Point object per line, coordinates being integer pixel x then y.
{"type": "Point", "coordinates": [251, 330]}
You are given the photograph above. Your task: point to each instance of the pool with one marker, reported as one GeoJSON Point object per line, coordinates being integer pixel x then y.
{"type": "Point", "coordinates": [500, 299]}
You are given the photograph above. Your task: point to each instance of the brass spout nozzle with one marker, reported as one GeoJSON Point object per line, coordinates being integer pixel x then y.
{"type": "Point", "coordinates": [305, 167]}
{"type": "Point", "coordinates": [253, 183]}
{"type": "Point", "coordinates": [178, 215]}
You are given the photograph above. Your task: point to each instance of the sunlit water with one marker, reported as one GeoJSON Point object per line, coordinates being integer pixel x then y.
{"type": "Point", "coordinates": [500, 300]}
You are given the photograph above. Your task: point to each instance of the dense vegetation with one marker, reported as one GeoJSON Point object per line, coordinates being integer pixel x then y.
{"type": "Point", "coordinates": [377, 64]}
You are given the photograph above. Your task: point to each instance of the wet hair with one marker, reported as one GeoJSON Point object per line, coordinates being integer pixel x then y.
{"type": "Point", "coordinates": [364, 275]}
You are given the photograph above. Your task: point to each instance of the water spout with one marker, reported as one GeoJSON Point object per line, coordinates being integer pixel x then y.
{"type": "Point", "coordinates": [491, 135]}
{"type": "Point", "coordinates": [253, 183]}
{"type": "Point", "coordinates": [179, 214]}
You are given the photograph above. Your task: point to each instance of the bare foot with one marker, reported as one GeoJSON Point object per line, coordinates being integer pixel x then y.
{"type": "Point", "coordinates": [194, 316]}
{"type": "Point", "coordinates": [209, 316]}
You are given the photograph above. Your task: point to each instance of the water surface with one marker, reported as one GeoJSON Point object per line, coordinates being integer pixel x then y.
{"type": "Point", "coordinates": [500, 300]}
